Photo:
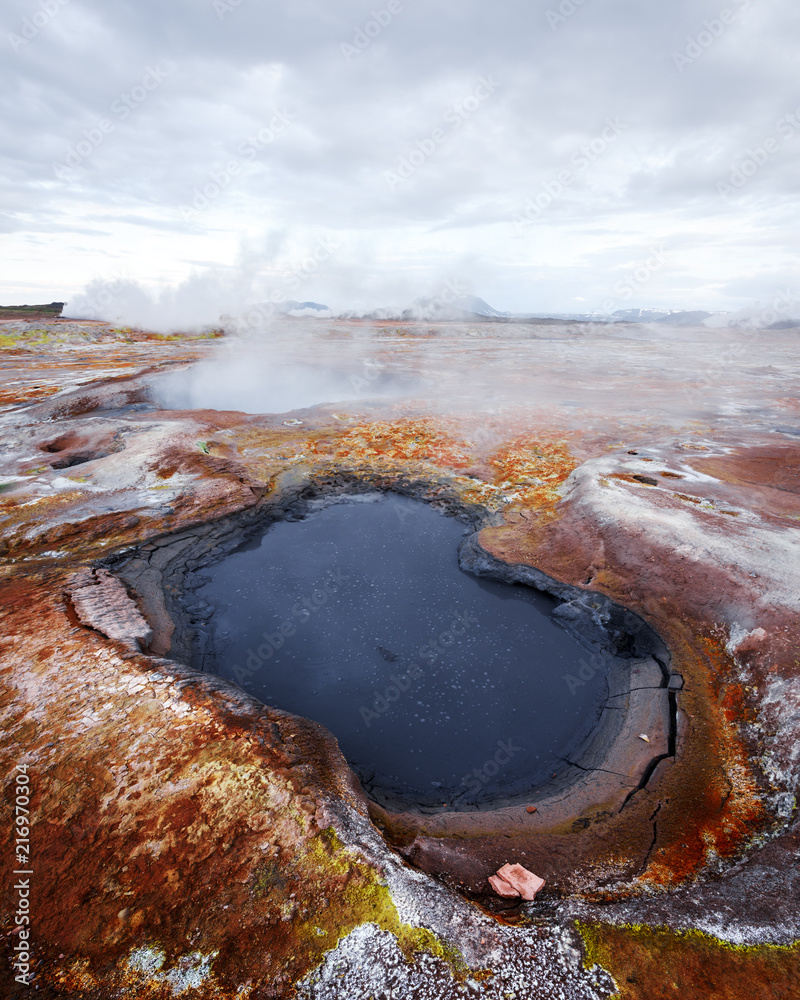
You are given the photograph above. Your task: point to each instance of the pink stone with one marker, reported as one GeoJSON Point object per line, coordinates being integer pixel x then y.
{"type": "Point", "coordinates": [501, 887]}
{"type": "Point", "coordinates": [524, 882]}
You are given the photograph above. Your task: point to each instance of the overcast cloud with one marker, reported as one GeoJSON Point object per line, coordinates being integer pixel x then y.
{"type": "Point", "coordinates": [538, 152]}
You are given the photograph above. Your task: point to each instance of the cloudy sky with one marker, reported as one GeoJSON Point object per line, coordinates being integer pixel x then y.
{"type": "Point", "coordinates": [548, 155]}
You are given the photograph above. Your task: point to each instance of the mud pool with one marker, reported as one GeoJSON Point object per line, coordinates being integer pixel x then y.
{"type": "Point", "coordinates": [440, 688]}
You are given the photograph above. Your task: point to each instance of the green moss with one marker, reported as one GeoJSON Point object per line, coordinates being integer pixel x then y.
{"type": "Point", "coordinates": [27, 339]}
{"type": "Point", "coordinates": [364, 899]}
{"type": "Point", "coordinates": [648, 962]}
{"type": "Point", "coordinates": [455, 960]}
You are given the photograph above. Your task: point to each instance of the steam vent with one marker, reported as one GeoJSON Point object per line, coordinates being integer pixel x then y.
{"type": "Point", "coordinates": [308, 636]}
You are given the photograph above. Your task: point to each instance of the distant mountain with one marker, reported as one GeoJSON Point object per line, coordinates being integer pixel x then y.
{"type": "Point", "coordinates": [690, 317]}
{"type": "Point", "coordinates": [471, 308]}
{"type": "Point", "coordinates": [564, 317]}
{"type": "Point", "coordinates": [640, 315]}
{"type": "Point", "coordinates": [675, 317]}
{"type": "Point", "coordinates": [292, 308]}
{"type": "Point", "coordinates": [464, 307]}
{"type": "Point", "coordinates": [756, 317]}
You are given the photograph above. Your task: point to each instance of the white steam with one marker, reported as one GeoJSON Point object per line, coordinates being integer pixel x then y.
{"type": "Point", "coordinates": [270, 277]}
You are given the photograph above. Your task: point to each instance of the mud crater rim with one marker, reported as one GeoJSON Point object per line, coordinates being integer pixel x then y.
{"type": "Point", "coordinates": [157, 575]}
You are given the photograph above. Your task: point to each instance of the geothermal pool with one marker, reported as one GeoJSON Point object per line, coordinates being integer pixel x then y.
{"type": "Point", "coordinates": [663, 373]}
{"type": "Point", "coordinates": [440, 687]}
{"type": "Point", "coordinates": [253, 383]}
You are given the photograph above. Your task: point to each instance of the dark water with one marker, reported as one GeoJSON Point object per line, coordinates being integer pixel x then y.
{"type": "Point", "coordinates": [440, 687]}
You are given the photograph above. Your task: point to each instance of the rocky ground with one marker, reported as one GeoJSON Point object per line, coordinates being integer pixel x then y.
{"type": "Point", "coordinates": [185, 840]}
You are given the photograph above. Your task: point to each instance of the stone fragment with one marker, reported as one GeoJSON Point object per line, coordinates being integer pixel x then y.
{"type": "Point", "coordinates": [101, 602]}
{"type": "Point", "coordinates": [503, 888]}
{"type": "Point", "coordinates": [645, 737]}
{"type": "Point", "coordinates": [531, 809]}
{"type": "Point", "coordinates": [524, 882]}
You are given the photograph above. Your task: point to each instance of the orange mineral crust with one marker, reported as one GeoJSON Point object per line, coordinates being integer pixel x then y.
{"type": "Point", "coordinates": [189, 840]}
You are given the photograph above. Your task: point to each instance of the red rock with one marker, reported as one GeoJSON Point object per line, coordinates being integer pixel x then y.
{"type": "Point", "coordinates": [524, 882]}
{"type": "Point", "coordinates": [531, 809]}
{"type": "Point", "coordinates": [101, 602]}
{"type": "Point", "coordinates": [503, 888]}
{"type": "Point", "coordinates": [686, 561]}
